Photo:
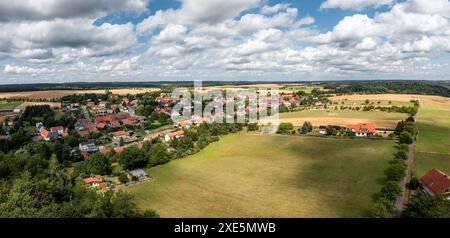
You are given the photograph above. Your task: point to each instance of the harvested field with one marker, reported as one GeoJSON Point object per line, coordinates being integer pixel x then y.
{"type": "Point", "coordinates": [392, 97]}
{"type": "Point", "coordinates": [339, 121]}
{"type": "Point", "coordinates": [62, 93]}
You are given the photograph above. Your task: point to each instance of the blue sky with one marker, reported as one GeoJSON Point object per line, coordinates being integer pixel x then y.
{"type": "Point", "coordinates": [142, 40]}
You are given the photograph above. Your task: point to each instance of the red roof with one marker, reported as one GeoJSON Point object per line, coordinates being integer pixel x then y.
{"type": "Point", "coordinates": [83, 133]}
{"type": "Point", "coordinates": [176, 133]}
{"type": "Point", "coordinates": [57, 128]}
{"type": "Point", "coordinates": [120, 133]}
{"type": "Point", "coordinates": [103, 185]}
{"type": "Point", "coordinates": [368, 127]}
{"type": "Point", "coordinates": [103, 119]}
{"type": "Point", "coordinates": [92, 180]}
{"type": "Point", "coordinates": [44, 132]}
{"type": "Point", "coordinates": [119, 149]}
{"type": "Point", "coordinates": [436, 181]}
{"type": "Point", "coordinates": [101, 125]}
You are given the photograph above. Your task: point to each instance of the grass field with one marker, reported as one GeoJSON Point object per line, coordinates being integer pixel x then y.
{"type": "Point", "coordinates": [9, 105]}
{"type": "Point", "coordinates": [433, 147]}
{"type": "Point", "coordinates": [343, 117]}
{"type": "Point", "coordinates": [269, 176]}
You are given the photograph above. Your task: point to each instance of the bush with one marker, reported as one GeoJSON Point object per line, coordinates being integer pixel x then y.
{"type": "Point", "coordinates": [401, 155]}
{"type": "Point", "coordinates": [414, 184]}
{"type": "Point", "coordinates": [390, 191]}
{"type": "Point", "coordinates": [285, 128]}
{"type": "Point", "coordinates": [253, 127]}
{"type": "Point", "coordinates": [382, 209]}
{"type": "Point", "coordinates": [150, 213]}
{"type": "Point", "coordinates": [396, 172]}
{"type": "Point", "coordinates": [405, 138]}
{"type": "Point", "coordinates": [123, 178]}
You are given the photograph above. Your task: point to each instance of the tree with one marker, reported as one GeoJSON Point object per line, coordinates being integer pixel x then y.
{"type": "Point", "coordinates": [124, 206]}
{"type": "Point", "coordinates": [97, 163]}
{"type": "Point", "coordinates": [423, 205]}
{"type": "Point", "coordinates": [306, 128]}
{"type": "Point", "coordinates": [253, 127]}
{"type": "Point", "coordinates": [123, 178]}
{"type": "Point", "coordinates": [396, 172]}
{"type": "Point", "coordinates": [405, 138]}
{"type": "Point", "coordinates": [390, 191]}
{"type": "Point", "coordinates": [284, 128]}
{"type": "Point", "coordinates": [414, 183]}
{"type": "Point", "coordinates": [150, 213]}
{"type": "Point", "coordinates": [132, 158]}
{"type": "Point", "coordinates": [379, 210]}
{"type": "Point", "coordinates": [158, 155]}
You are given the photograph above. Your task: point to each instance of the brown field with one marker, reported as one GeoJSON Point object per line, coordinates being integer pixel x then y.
{"type": "Point", "coordinates": [61, 93]}
{"type": "Point", "coordinates": [339, 121]}
{"type": "Point", "coordinates": [393, 97]}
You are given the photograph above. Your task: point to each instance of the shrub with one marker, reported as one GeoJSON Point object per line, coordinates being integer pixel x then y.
{"type": "Point", "coordinates": [390, 191]}
{"type": "Point", "coordinates": [405, 138]}
{"type": "Point", "coordinates": [414, 183]}
{"type": "Point", "coordinates": [396, 172]}
{"type": "Point", "coordinates": [123, 178]}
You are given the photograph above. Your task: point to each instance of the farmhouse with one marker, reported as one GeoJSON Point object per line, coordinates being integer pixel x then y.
{"type": "Point", "coordinates": [362, 129]}
{"type": "Point", "coordinates": [436, 182]}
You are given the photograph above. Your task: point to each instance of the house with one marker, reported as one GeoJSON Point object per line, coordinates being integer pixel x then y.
{"type": "Point", "coordinates": [436, 182]}
{"type": "Point", "coordinates": [93, 182]}
{"type": "Point", "coordinates": [122, 115]}
{"type": "Point", "coordinates": [83, 133]}
{"type": "Point", "coordinates": [118, 135]}
{"type": "Point", "coordinates": [125, 100]}
{"type": "Point", "coordinates": [140, 174]}
{"type": "Point", "coordinates": [362, 129]}
{"type": "Point", "coordinates": [175, 134]}
{"type": "Point", "coordinates": [88, 146]}
{"type": "Point", "coordinates": [119, 149]}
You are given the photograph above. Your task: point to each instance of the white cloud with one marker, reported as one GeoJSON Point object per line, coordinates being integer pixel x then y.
{"type": "Point", "coordinates": [354, 4]}
{"type": "Point", "coordinates": [194, 12]}
{"type": "Point", "coordinates": [54, 39]}
{"type": "Point", "coordinates": [13, 69]}
{"type": "Point", "coordinates": [22, 10]}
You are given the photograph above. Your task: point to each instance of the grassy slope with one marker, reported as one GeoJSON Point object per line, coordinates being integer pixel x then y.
{"type": "Point", "coordinates": [346, 114]}
{"type": "Point", "coordinates": [433, 147]}
{"type": "Point", "coordinates": [269, 176]}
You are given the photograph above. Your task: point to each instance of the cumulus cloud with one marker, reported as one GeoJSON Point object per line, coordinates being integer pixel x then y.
{"type": "Point", "coordinates": [23, 10]}
{"type": "Point", "coordinates": [354, 4]}
{"type": "Point", "coordinates": [55, 39]}
{"type": "Point", "coordinates": [234, 39]}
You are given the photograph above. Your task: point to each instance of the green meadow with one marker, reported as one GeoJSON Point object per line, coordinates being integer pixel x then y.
{"type": "Point", "coordinates": [9, 105]}
{"type": "Point", "coordinates": [433, 146]}
{"type": "Point", "coordinates": [245, 175]}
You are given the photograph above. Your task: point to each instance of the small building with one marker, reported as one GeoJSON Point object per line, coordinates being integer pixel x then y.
{"type": "Point", "coordinates": [88, 146]}
{"type": "Point", "coordinates": [436, 182]}
{"type": "Point", "coordinates": [92, 182]}
{"type": "Point", "coordinates": [140, 174]}
{"type": "Point", "coordinates": [362, 129]}
{"type": "Point", "coordinates": [175, 134]}
{"type": "Point", "coordinates": [118, 135]}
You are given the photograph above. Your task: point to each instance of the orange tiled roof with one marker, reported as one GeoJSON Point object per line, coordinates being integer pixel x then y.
{"type": "Point", "coordinates": [362, 126]}
{"type": "Point", "coordinates": [92, 180]}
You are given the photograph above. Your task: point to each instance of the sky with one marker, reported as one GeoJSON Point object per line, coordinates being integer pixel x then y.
{"type": "Point", "coordinates": [57, 41]}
